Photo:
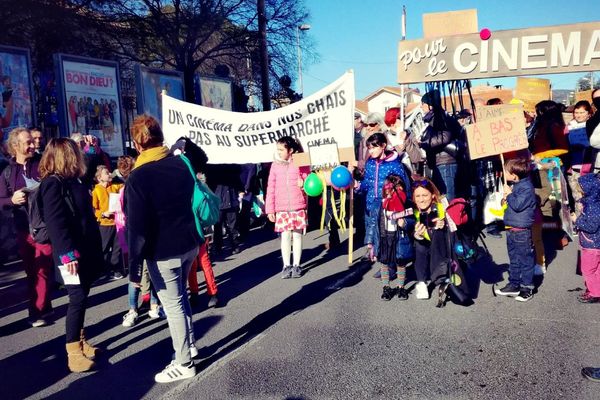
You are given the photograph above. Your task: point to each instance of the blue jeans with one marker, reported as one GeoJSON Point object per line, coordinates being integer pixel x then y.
{"type": "Point", "coordinates": [134, 294]}
{"type": "Point", "coordinates": [444, 177]}
{"type": "Point", "coordinates": [372, 223]}
{"type": "Point", "coordinates": [521, 256]}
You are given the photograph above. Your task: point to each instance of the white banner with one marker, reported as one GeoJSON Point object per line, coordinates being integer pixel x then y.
{"type": "Point", "coordinates": [237, 138]}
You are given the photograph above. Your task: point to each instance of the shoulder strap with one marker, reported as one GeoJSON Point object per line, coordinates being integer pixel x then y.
{"type": "Point", "coordinates": [6, 174]}
{"type": "Point", "coordinates": [66, 194]}
{"type": "Point", "coordinates": [189, 165]}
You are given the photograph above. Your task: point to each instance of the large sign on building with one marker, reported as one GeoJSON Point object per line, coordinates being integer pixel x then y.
{"type": "Point", "coordinates": [545, 50]}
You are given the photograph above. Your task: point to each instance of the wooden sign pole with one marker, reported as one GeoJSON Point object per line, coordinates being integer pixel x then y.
{"type": "Point", "coordinates": [502, 162]}
{"type": "Point", "coordinates": [351, 226]}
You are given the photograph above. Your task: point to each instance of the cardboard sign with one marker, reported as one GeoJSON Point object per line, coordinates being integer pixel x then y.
{"type": "Point", "coordinates": [324, 156]}
{"type": "Point", "coordinates": [491, 112]}
{"type": "Point", "coordinates": [449, 23]}
{"type": "Point", "coordinates": [531, 91]}
{"type": "Point", "coordinates": [583, 95]}
{"type": "Point", "coordinates": [497, 135]}
{"type": "Point", "coordinates": [517, 52]}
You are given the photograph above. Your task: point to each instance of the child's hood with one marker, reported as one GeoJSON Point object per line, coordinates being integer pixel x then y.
{"type": "Point", "coordinates": [279, 160]}
{"type": "Point", "coordinates": [590, 184]}
{"type": "Point", "coordinates": [393, 156]}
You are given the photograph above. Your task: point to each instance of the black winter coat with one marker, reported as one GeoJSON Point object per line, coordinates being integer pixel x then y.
{"type": "Point", "coordinates": [72, 229]}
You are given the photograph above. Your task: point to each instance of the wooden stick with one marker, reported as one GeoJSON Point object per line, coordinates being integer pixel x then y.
{"type": "Point", "coordinates": [351, 226]}
{"type": "Point", "coordinates": [503, 174]}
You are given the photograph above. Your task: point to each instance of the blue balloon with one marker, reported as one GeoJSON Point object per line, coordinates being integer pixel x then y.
{"type": "Point", "coordinates": [341, 177]}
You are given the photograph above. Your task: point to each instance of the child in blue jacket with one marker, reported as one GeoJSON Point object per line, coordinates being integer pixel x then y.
{"type": "Point", "coordinates": [379, 166]}
{"type": "Point", "coordinates": [518, 218]}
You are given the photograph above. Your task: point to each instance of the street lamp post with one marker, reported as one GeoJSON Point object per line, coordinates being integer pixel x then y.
{"type": "Point", "coordinates": [303, 27]}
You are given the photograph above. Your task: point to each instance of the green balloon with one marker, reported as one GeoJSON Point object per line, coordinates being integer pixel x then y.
{"type": "Point", "coordinates": [313, 186]}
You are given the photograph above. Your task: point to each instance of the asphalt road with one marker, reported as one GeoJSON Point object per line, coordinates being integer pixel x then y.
{"type": "Point", "coordinates": [326, 335]}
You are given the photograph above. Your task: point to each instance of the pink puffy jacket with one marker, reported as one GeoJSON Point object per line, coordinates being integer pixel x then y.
{"type": "Point", "coordinates": [283, 192]}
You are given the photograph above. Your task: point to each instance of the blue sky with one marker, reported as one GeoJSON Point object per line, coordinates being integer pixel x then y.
{"type": "Point", "coordinates": [363, 35]}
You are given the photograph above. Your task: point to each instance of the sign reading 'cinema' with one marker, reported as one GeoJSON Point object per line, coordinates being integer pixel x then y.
{"type": "Point", "coordinates": [547, 50]}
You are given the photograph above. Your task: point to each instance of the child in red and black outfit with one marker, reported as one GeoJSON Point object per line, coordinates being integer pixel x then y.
{"type": "Point", "coordinates": [394, 245]}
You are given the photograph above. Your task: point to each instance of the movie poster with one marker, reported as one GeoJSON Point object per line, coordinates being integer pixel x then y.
{"type": "Point", "coordinates": [15, 87]}
{"type": "Point", "coordinates": [150, 84]}
{"type": "Point", "coordinates": [215, 92]}
{"type": "Point", "coordinates": [90, 100]}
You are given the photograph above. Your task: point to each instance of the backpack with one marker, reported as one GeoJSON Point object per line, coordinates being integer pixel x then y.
{"type": "Point", "coordinates": [37, 226]}
{"type": "Point", "coordinates": [205, 204]}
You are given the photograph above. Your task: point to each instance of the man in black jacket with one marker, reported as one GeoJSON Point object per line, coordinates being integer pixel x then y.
{"type": "Point", "coordinates": [440, 143]}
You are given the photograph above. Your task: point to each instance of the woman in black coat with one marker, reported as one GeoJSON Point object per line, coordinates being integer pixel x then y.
{"type": "Point", "coordinates": [66, 206]}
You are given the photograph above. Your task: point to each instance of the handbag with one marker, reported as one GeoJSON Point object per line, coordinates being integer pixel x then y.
{"type": "Point", "coordinates": [492, 206]}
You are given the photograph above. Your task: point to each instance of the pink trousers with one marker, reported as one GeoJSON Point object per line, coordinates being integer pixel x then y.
{"type": "Point", "coordinates": [590, 269]}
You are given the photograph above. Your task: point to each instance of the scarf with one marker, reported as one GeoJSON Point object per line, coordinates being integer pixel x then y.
{"type": "Point", "coordinates": [150, 155]}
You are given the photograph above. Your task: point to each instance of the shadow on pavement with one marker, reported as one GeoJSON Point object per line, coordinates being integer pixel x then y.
{"type": "Point", "coordinates": [310, 294]}
{"type": "Point", "coordinates": [60, 311]}
{"type": "Point", "coordinates": [129, 378]}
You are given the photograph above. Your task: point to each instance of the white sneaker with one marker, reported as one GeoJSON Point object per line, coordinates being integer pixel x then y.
{"type": "Point", "coordinates": [130, 319]}
{"type": "Point", "coordinates": [156, 313]}
{"type": "Point", "coordinates": [539, 270]}
{"type": "Point", "coordinates": [421, 291]}
{"type": "Point", "coordinates": [175, 372]}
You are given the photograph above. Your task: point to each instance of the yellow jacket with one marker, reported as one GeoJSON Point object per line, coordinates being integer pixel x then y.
{"type": "Point", "coordinates": [100, 196]}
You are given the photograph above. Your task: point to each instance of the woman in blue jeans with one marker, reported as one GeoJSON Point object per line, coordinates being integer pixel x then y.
{"type": "Point", "coordinates": [162, 231]}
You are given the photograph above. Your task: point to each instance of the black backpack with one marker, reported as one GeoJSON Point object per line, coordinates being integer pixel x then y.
{"type": "Point", "coordinates": [37, 226]}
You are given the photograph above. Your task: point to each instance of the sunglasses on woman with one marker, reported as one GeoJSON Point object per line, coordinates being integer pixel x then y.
{"type": "Point", "coordinates": [420, 183]}
{"type": "Point", "coordinates": [373, 124]}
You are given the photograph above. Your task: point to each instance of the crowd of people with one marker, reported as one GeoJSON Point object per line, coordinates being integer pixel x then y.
{"type": "Point", "coordinates": [137, 219]}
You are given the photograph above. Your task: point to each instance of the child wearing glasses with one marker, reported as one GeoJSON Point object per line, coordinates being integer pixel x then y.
{"type": "Point", "coordinates": [394, 244]}
{"type": "Point", "coordinates": [381, 164]}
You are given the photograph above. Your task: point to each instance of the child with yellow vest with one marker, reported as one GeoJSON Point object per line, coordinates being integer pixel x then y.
{"type": "Point", "coordinates": [106, 219]}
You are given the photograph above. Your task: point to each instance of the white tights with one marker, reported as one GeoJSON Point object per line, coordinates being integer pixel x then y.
{"type": "Point", "coordinates": [291, 239]}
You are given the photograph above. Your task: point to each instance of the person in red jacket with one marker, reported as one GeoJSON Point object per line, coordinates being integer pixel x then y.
{"type": "Point", "coordinates": [285, 204]}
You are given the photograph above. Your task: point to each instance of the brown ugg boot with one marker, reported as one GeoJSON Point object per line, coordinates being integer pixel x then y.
{"type": "Point", "coordinates": [88, 350]}
{"type": "Point", "coordinates": [77, 361]}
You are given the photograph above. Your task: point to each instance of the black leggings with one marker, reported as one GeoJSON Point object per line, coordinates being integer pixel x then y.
{"type": "Point", "coordinates": [78, 295]}
{"type": "Point", "coordinates": [431, 258]}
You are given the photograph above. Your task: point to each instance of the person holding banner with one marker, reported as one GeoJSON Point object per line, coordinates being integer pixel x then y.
{"type": "Point", "coordinates": [285, 204]}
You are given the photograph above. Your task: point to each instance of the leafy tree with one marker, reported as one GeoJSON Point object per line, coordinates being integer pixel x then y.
{"type": "Point", "coordinates": [197, 35]}
{"type": "Point", "coordinates": [585, 82]}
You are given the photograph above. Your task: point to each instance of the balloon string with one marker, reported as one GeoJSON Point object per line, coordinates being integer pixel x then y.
{"type": "Point", "coordinates": [334, 210]}
{"type": "Point", "coordinates": [343, 209]}
{"type": "Point", "coordinates": [321, 176]}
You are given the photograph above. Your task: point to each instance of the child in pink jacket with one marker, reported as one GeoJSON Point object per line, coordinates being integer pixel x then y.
{"type": "Point", "coordinates": [285, 204]}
